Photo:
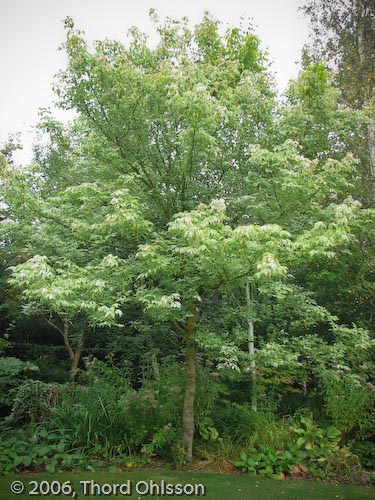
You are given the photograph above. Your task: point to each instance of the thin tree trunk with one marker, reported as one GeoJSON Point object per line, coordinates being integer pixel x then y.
{"type": "Point", "coordinates": [66, 339]}
{"type": "Point", "coordinates": [371, 147]}
{"type": "Point", "coordinates": [188, 423]}
{"type": "Point", "coordinates": [155, 365]}
{"type": "Point", "coordinates": [76, 357]}
{"type": "Point", "coordinates": [155, 369]}
{"type": "Point", "coordinates": [251, 343]}
{"type": "Point", "coordinates": [367, 91]}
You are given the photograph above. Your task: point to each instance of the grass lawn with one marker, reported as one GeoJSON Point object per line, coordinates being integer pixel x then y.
{"type": "Point", "coordinates": [217, 486]}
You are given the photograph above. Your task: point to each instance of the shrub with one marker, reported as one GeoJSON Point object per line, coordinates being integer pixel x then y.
{"type": "Point", "coordinates": [318, 445]}
{"type": "Point", "coordinates": [93, 418]}
{"type": "Point", "coordinates": [265, 461]}
{"type": "Point", "coordinates": [235, 421]}
{"type": "Point", "coordinates": [365, 451]}
{"type": "Point", "coordinates": [349, 402]}
{"type": "Point", "coordinates": [13, 372]}
{"type": "Point", "coordinates": [312, 450]}
{"type": "Point", "coordinates": [242, 424]}
{"type": "Point", "coordinates": [33, 401]}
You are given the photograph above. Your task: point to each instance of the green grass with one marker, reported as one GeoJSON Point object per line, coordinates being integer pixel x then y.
{"type": "Point", "coordinates": [218, 486]}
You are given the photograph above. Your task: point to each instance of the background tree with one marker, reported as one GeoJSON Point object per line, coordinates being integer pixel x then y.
{"type": "Point", "coordinates": [344, 37]}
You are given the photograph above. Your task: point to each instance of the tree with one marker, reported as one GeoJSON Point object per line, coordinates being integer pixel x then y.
{"type": "Point", "coordinates": [175, 121]}
{"type": "Point", "coordinates": [344, 37]}
{"type": "Point", "coordinates": [324, 127]}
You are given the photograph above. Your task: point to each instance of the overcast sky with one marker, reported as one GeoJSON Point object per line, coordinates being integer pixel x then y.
{"type": "Point", "coordinates": [32, 30]}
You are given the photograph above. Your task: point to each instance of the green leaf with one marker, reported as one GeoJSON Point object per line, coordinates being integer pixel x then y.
{"type": "Point", "coordinates": [300, 441]}
{"type": "Point", "coordinates": [51, 467]}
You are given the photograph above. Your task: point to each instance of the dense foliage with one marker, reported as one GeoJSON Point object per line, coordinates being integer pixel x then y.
{"type": "Point", "coordinates": [188, 266]}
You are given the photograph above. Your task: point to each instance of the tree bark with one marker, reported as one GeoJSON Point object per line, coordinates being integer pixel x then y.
{"type": "Point", "coordinates": [371, 147]}
{"type": "Point", "coordinates": [65, 334]}
{"type": "Point", "coordinates": [367, 90]}
{"type": "Point", "coordinates": [251, 343]}
{"type": "Point", "coordinates": [188, 424]}
{"type": "Point", "coordinates": [76, 357]}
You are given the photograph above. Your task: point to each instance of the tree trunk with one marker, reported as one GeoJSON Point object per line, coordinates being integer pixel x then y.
{"type": "Point", "coordinates": [66, 339]}
{"type": "Point", "coordinates": [76, 357]}
{"type": "Point", "coordinates": [190, 385]}
{"type": "Point", "coordinates": [251, 343]}
{"type": "Point", "coordinates": [367, 91]}
{"type": "Point", "coordinates": [371, 147]}
{"type": "Point", "coordinates": [155, 365]}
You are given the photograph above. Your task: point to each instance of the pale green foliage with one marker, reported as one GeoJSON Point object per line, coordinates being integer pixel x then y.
{"type": "Point", "coordinates": [324, 237]}
{"type": "Point", "coordinates": [177, 116]}
{"type": "Point", "coordinates": [75, 228]}
{"type": "Point", "coordinates": [200, 252]}
{"type": "Point", "coordinates": [68, 290]}
{"type": "Point", "coordinates": [285, 187]}
{"type": "Point", "coordinates": [94, 215]}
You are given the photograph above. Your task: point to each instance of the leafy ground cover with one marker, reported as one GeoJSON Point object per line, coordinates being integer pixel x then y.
{"type": "Point", "coordinates": [218, 486]}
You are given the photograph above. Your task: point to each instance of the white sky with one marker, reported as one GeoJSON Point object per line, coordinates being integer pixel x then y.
{"type": "Point", "coordinates": [32, 30]}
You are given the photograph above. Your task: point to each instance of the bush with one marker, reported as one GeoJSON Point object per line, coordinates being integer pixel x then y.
{"type": "Point", "coordinates": [268, 462]}
{"type": "Point", "coordinates": [349, 402]}
{"type": "Point", "coordinates": [313, 450]}
{"type": "Point", "coordinates": [33, 401]}
{"type": "Point", "coordinates": [365, 451]}
{"type": "Point", "coordinates": [13, 372]}
{"type": "Point", "coordinates": [236, 421]}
